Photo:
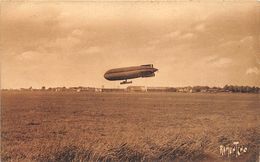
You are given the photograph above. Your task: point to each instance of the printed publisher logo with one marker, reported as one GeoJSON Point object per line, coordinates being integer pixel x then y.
{"type": "Point", "coordinates": [232, 149]}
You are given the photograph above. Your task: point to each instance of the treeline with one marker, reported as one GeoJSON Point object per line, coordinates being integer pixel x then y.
{"type": "Point", "coordinates": [241, 89]}
{"type": "Point", "coordinates": [226, 88]}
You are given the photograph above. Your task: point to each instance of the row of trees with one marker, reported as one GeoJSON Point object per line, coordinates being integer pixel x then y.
{"type": "Point", "coordinates": [242, 89]}
{"type": "Point", "coordinates": [226, 88]}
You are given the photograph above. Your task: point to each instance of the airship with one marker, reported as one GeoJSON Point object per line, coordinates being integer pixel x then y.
{"type": "Point", "coordinates": [131, 72]}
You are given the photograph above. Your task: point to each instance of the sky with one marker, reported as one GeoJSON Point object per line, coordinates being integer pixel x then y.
{"type": "Point", "coordinates": [74, 43]}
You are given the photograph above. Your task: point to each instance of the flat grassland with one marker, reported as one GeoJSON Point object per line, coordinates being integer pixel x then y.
{"type": "Point", "coordinates": [183, 127]}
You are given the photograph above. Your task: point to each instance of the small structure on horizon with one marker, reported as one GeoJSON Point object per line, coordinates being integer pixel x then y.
{"type": "Point", "coordinates": [112, 90]}
{"type": "Point", "coordinates": [136, 89]}
{"type": "Point", "coordinates": [161, 89]}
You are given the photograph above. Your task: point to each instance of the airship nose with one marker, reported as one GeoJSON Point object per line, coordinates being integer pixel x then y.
{"type": "Point", "coordinates": [106, 76]}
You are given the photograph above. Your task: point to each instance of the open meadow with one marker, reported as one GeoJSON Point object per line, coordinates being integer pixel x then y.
{"type": "Point", "coordinates": [181, 127]}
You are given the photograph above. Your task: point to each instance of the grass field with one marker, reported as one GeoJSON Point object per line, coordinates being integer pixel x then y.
{"type": "Point", "coordinates": [49, 126]}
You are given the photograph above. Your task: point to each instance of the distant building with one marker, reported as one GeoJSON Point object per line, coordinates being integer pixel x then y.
{"type": "Point", "coordinates": [50, 89]}
{"type": "Point", "coordinates": [86, 89]}
{"type": "Point", "coordinates": [26, 89]}
{"type": "Point", "coordinates": [193, 90]}
{"type": "Point", "coordinates": [213, 90]}
{"type": "Point", "coordinates": [113, 90]}
{"type": "Point", "coordinates": [75, 89]}
{"type": "Point", "coordinates": [98, 89]}
{"type": "Point", "coordinates": [161, 89]}
{"type": "Point", "coordinates": [184, 89]}
{"type": "Point", "coordinates": [171, 89]}
{"type": "Point", "coordinates": [136, 89]}
{"type": "Point", "coordinates": [60, 89]}
{"type": "Point", "coordinates": [204, 90]}
{"type": "Point", "coordinates": [81, 89]}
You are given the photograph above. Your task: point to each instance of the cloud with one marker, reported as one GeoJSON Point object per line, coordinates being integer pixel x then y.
{"type": "Point", "coordinates": [28, 55]}
{"type": "Point", "coordinates": [217, 61]}
{"type": "Point", "coordinates": [258, 61]}
{"type": "Point", "coordinates": [187, 36]}
{"type": "Point", "coordinates": [174, 34]}
{"type": "Point", "coordinates": [93, 49]}
{"type": "Point", "coordinates": [68, 41]}
{"type": "Point", "coordinates": [247, 39]}
{"type": "Point", "coordinates": [211, 58]}
{"type": "Point", "coordinates": [252, 70]}
{"type": "Point", "coordinates": [200, 27]}
{"type": "Point", "coordinates": [77, 32]}
{"type": "Point", "coordinates": [176, 37]}
{"type": "Point", "coordinates": [222, 62]}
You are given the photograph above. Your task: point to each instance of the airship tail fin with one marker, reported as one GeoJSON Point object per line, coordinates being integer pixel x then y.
{"type": "Point", "coordinates": [148, 65]}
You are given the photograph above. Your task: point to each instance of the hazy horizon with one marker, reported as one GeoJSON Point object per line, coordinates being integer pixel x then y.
{"type": "Point", "coordinates": [74, 44]}
{"type": "Point", "coordinates": [117, 87]}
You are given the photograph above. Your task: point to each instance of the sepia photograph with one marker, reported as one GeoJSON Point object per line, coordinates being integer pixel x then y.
{"type": "Point", "coordinates": [130, 81]}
